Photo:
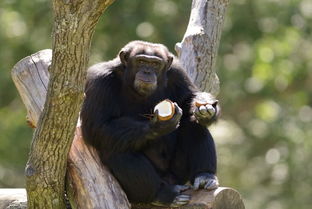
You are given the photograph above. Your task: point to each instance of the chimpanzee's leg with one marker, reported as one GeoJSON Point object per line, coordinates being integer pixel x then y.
{"type": "Point", "coordinates": [195, 152]}
{"type": "Point", "coordinates": [136, 175]}
{"type": "Point", "coordinates": [141, 182]}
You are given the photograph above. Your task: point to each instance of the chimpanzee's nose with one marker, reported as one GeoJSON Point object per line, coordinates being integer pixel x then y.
{"type": "Point", "coordinates": [146, 71]}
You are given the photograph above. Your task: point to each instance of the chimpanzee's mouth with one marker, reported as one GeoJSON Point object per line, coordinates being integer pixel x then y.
{"type": "Point", "coordinates": [147, 81]}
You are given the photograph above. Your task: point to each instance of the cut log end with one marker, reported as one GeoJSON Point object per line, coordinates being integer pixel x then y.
{"type": "Point", "coordinates": [228, 199]}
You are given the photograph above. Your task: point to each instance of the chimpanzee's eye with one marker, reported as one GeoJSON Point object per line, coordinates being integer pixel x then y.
{"type": "Point", "coordinates": [155, 64]}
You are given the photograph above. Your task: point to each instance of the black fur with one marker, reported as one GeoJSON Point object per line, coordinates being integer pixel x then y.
{"type": "Point", "coordinates": [148, 163]}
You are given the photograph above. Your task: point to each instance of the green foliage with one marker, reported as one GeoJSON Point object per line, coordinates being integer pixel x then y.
{"type": "Point", "coordinates": [265, 68]}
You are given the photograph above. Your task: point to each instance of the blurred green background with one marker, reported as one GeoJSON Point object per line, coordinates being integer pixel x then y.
{"type": "Point", "coordinates": [265, 68]}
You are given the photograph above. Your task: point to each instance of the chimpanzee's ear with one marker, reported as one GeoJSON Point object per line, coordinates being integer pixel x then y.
{"type": "Point", "coordinates": [124, 56]}
{"type": "Point", "coordinates": [169, 62]}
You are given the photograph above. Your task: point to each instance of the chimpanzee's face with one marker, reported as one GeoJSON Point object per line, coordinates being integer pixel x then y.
{"type": "Point", "coordinates": [147, 65]}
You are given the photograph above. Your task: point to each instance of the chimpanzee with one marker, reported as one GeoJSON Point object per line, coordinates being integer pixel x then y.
{"type": "Point", "coordinates": [152, 159]}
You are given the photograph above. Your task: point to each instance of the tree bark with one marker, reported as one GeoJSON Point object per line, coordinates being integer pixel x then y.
{"type": "Point", "coordinates": [198, 50]}
{"type": "Point", "coordinates": [74, 23]}
{"type": "Point", "coordinates": [89, 184]}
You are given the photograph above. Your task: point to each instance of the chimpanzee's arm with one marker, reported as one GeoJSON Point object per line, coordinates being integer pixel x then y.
{"type": "Point", "coordinates": [186, 94]}
{"type": "Point", "coordinates": [104, 125]}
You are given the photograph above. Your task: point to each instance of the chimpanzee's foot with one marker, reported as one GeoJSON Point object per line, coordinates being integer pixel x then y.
{"type": "Point", "coordinates": [171, 195]}
{"type": "Point", "coordinates": [206, 181]}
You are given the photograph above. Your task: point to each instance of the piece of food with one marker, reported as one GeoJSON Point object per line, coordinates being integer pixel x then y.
{"type": "Point", "coordinates": [165, 109]}
{"type": "Point", "coordinates": [199, 103]}
{"type": "Point", "coordinates": [204, 98]}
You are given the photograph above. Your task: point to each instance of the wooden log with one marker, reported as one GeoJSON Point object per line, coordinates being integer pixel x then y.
{"type": "Point", "coordinates": [89, 183]}
{"type": "Point", "coordinates": [31, 77]}
{"type": "Point", "coordinates": [13, 199]}
{"type": "Point", "coordinates": [221, 198]}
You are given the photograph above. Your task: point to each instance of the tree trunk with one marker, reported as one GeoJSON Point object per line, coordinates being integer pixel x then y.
{"type": "Point", "coordinates": [89, 184]}
{"type": "Point", "coordinates": [198, 50]}
{"type": "Point", "coordinates": [74, 23]}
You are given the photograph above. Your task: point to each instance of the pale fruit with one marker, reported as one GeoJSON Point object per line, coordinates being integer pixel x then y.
{"type": "Point", "coordinates": [165, 109]}
{"type": "Point", "coordinates": [200, 103]}
{"type": "Point", "coordinates": [203, 98]}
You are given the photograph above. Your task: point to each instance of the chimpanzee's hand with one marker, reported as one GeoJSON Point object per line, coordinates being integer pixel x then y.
{"type": "Point", "coordinates": [206, 181]}
{"type": "Point", "coordinates": [163, 127]}
{"type": "Point", "coordinates": [205, 108]}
